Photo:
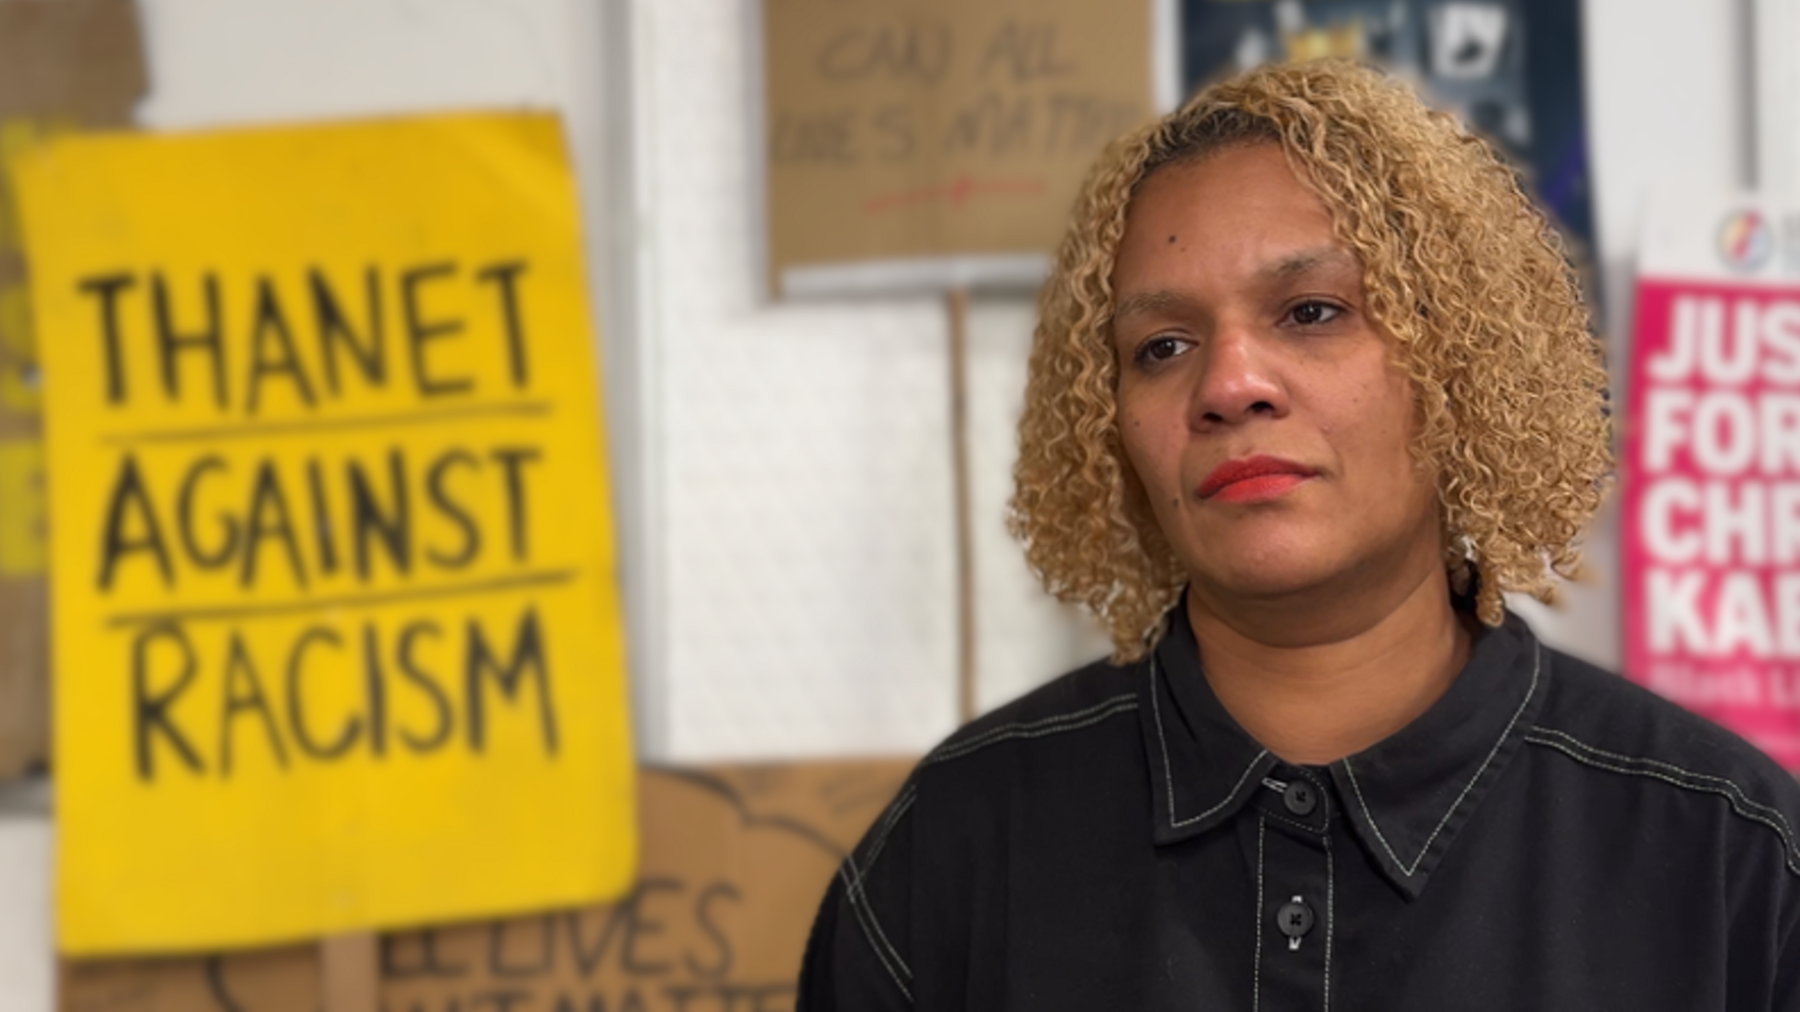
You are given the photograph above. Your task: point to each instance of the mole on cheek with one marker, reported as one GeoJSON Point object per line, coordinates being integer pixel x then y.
{"type": "Point", "coordinates": [1171, 238]}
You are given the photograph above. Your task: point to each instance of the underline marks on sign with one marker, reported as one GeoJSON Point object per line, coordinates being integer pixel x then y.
{"type": "Point", "coordinates": [542, 578]}
{"type": "Point", "coordinates": [955, 193]}
{"type": "Point", "coordinates": [337, 424]}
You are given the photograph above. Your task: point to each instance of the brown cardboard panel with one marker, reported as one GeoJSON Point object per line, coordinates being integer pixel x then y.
{"type": "Point", "coordinates": [919, 128]}
{"type": "Point", "coordinates": [270, 980]}
{"type": "Point", "coordinates": [24, 687]}
{"type": "Point", "coordinates": [735, 860]}
{"type": "Point", "coordinates": [64, 64]}
{"type": "Point", "coordinates": [79, 59]}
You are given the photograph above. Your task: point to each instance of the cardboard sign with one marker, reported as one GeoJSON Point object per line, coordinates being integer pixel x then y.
{"type": "Point", "coordinates": [735, 862]}
{"type": "Point", "coordinates": [1711, 473]}
{"type": "Point", "coordinates": [337, 643]}
{"type": "Point", "coordinates": [63, 66]}
{"type": "Point", "coordinates": [902, 131]}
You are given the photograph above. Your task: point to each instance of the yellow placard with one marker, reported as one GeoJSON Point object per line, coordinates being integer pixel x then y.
{"type": "Point", "coordinates": [336, 639]}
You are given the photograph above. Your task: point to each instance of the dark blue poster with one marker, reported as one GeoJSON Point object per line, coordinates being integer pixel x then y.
{"type": "Point", "coordinates": [1511, 69]}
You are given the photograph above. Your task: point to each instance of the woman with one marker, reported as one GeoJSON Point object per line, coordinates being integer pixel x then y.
{"type": "Point", "coordinates": [1313, 386]}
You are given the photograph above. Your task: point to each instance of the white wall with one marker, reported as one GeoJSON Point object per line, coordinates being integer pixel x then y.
{"type": "Point", "coordinates": [802, 453]}
{"type": "Point", "coordinates": [27, 968]}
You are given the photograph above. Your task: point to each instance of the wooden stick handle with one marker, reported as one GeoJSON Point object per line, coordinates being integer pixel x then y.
{"type": "Point", "coordinates": [957, 302]}
{"type": "Point", "coordinates": [349, 973]}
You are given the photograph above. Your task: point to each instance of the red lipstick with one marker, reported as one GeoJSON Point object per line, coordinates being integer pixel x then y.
{"type": "Point", "coordinates": [1253, 479]}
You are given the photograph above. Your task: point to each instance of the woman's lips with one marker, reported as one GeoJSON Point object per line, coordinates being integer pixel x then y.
{"type": "Point", "coordinates": [1253, 479]}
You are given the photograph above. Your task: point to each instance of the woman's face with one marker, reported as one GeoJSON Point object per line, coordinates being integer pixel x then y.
{"type": "Point", "coordinates": [1256, 400]}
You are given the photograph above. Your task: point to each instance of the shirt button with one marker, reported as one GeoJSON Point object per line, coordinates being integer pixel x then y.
{"type": "Point", "coordinates": [1300, 798]}
{"type": "Point", "coordinates": [1294, 919]}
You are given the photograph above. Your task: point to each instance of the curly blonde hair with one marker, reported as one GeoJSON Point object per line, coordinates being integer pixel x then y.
{"type": "Point", "coordinates": [1461, 271]}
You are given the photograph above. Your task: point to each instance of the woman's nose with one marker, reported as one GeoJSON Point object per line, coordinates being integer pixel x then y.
{"type": "Point", "coordinates": [1238, 381]}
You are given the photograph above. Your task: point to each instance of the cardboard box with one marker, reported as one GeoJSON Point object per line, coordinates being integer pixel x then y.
{"type": "Point", "coordinates": [64, 65]}
{"type": "Point", "coordinates": [735, 861]}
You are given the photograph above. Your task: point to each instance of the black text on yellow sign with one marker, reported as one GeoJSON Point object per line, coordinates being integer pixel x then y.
{"type": "Point", "coordinates": [330, 531]}
{"type": "Point", "coordinates": [354, 514]}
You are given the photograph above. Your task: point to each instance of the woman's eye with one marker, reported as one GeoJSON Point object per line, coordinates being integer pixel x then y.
{"type": "Point", "coordinates": [1160, 349]}
{"type": "Point", "coordinates": [1308, 314]}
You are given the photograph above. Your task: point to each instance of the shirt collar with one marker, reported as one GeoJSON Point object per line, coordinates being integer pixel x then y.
{"type": "Point", "coordinates": [1406, 797]}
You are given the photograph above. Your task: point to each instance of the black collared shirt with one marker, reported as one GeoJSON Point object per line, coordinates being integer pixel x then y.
{"type": "Point", "coordinates": [1547, 836]}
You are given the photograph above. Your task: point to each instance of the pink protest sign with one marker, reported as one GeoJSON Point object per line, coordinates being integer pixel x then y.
{"type": "Point", "coordinates": [1711, 476]}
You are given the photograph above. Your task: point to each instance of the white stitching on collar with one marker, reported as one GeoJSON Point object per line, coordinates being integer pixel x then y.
{"type": "Point", "coordinates": [1168, 773]}
{"type": "Point", "coordinates": [1536, 666]}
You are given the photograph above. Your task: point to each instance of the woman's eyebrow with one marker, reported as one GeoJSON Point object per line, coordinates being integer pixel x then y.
{"type": "Point", "coordinates": [1306, 261]}
{"type": "Point", "coordinates": [1159, 301]}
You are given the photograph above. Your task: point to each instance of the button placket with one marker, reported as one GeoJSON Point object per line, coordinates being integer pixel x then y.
{"type": "Point", "coordinates": [1294, 891]}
